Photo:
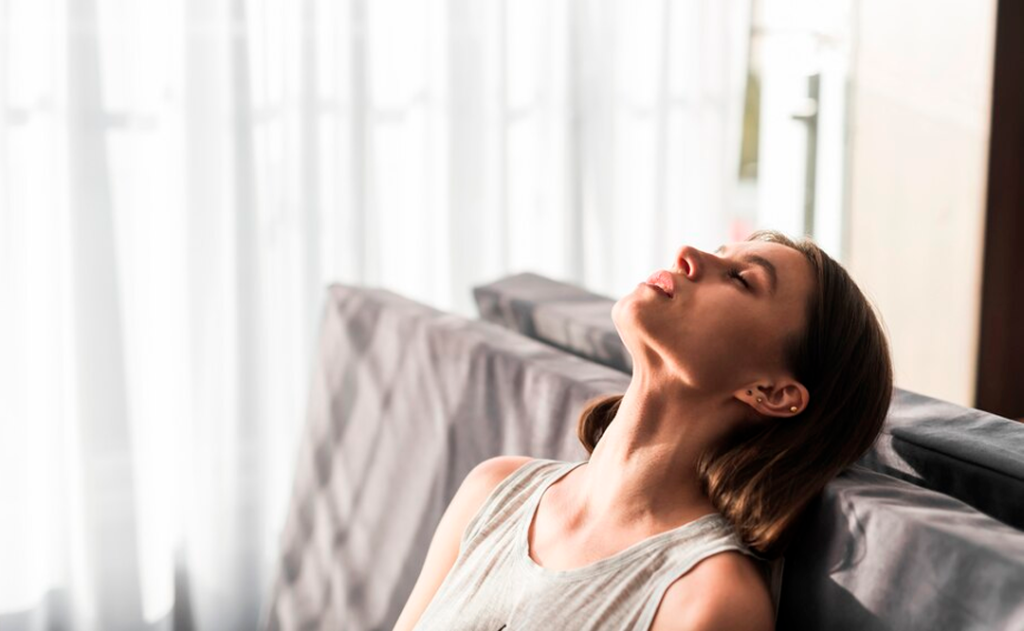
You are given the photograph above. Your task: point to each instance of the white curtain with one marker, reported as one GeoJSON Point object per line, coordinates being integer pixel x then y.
{"type": "Point", "coordinates": [179, 180]}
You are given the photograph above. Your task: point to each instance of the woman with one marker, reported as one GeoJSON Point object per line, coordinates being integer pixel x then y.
{"type": "Point", "coordinates": [760, 371]}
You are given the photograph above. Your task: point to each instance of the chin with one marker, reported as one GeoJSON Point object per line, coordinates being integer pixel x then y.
{"type": "Point", "coordinates": [627, 316]}
{"type": "Point", "coordinates": [626, 312]}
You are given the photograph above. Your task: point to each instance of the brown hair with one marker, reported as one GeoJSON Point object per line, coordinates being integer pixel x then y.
{"type": "Point", "coordinates": [762, 479]}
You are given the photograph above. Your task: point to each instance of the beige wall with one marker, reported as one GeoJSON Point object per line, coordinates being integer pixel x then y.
{"type": "Point", "coordinates": [919, 151]}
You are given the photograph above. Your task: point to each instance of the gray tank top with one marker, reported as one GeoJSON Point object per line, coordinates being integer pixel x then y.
{"type": "Point", "coordinates": [494, 584]}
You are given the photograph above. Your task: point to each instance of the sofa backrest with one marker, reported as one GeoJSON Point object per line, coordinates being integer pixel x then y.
{"type": "Point", "coordinates": [557, 313]}
{"type": "Point", "coordinates": [968, 454]}
{"type": "Point", "coordinates": [405, 400]}
{"type": "Point", "coordinates": [875, 553]}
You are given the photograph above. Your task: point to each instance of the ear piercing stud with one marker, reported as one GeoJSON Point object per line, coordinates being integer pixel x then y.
{"type": "Point", "coordinates": [793, 409]}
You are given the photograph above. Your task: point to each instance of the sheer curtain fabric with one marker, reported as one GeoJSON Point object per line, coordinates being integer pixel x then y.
{"type": "Point", "coordinates": [180, 180]}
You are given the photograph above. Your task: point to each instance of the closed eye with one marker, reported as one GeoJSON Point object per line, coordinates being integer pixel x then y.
{"type": "Point", "coordinates": [735, 273]}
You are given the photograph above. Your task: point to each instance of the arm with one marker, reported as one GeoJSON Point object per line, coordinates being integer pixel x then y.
{"type": "Point", "coordinates": [444, 547]}
{"type": "Point", "coordinates": [724, 592]}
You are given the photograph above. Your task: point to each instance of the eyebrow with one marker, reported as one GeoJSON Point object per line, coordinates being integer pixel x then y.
{"type": "Point", "coordinates": [765, 264]}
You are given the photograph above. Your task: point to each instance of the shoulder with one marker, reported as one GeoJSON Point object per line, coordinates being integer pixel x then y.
{"type": "Point", "coordinates": [444, 547]}
{"type": "Point", "coordinates": [484, 477]}
{"type": "Point", "coordinates": [481, 481]}
{"type": "Point", "coordinates": [722, 592]}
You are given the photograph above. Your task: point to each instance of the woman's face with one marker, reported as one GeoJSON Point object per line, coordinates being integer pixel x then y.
{"type": "Point", "coordinates": [717, 331]}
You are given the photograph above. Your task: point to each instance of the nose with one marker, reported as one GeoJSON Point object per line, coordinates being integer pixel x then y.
{"type": "Point", "coordinates": [688, 261]}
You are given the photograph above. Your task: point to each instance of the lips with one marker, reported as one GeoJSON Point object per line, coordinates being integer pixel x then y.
{"type": "Point", "coordinates": [663, 280]}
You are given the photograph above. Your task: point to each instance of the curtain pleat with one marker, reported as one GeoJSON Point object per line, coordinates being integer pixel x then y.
{"type": "Point", "coordinates": [180, 181]}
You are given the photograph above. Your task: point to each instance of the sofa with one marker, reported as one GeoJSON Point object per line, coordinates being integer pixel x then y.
{"type": "Point", "coordinates": [926, 531]}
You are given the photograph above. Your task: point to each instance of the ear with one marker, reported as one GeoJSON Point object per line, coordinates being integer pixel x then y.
{"type": "Point", "coordinates": [775, 398]}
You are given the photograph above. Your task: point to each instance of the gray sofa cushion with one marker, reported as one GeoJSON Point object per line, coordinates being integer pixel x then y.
{"type": "Point", "coordinates": [405, 400]}
{"type": "Point", "coordinates": [969, 454]}
{"type": "Point", "coordinates": [556, 313]}
{"type": "Point", "coordinates": [876, 553]}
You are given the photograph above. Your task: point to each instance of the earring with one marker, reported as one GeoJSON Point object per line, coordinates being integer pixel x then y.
{"type": "Point", "coordinates": [759, 399]}
{"type": "Point", "coordinates": [793, 409]}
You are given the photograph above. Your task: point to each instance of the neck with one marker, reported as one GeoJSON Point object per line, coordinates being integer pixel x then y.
{"type": "Point", "coordinates": [642, 472]}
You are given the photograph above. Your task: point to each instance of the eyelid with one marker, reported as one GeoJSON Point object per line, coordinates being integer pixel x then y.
{"type": "Point", "coordinates": [747, 265]}
{"type": "Point", "coordinates": [734, 272]}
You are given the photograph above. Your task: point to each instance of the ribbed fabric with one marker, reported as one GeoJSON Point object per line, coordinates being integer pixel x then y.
{"type": "Point", "coordinates": [495, 585]}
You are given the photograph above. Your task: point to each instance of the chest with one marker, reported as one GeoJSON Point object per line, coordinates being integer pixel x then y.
{"type": "Point", "coordinates": [555, 543]}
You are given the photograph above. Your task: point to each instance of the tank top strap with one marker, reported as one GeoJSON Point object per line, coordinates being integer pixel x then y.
{"type": "Point", "coordinates": [509, 496]}
{"type": "Point", "coordinates": [720, 536]}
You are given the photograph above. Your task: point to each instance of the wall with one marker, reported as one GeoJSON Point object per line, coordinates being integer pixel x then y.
{"type": "Point", "coordinates": [919, 130]}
